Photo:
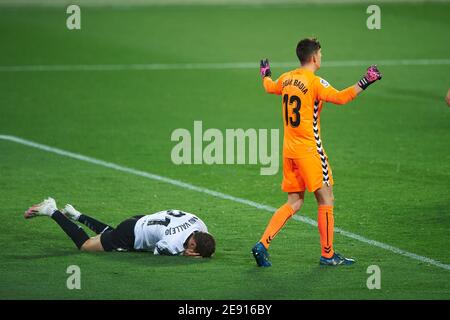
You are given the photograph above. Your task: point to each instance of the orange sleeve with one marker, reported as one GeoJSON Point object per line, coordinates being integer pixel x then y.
{"type": "Point", "coordinates": [272, 86]}
{"type": "Point", "coordinates": [327, 93]}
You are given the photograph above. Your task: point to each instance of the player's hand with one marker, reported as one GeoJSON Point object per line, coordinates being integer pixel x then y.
{"type": "Point", "coordinates": [372, 75]}
{"type": "Point", "coordinates": [264, 69]}
{"type": "Point", "coordinates": [191, 253]}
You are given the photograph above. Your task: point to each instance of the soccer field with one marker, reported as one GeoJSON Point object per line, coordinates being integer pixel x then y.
{"type": "Point", "coordinates": [116, 90]}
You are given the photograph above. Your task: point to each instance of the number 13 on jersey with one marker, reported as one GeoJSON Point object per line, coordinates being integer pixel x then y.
{"type": "Point", "coordinates": [292, 107]}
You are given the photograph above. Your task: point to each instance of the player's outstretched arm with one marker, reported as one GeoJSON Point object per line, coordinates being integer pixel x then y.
{"type": "Point", "coordinates": [269, 85]}
{"type": "Point", "coordinates": [329, 94]}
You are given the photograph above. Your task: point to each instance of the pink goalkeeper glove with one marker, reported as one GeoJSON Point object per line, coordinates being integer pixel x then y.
{"type": "Point", "coordinates": [372, 75]}
{"type": "Point", "coordinates": [264, 69]}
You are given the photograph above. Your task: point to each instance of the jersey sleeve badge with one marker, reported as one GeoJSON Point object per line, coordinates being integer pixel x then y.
{"type": "Point", "coordinates": [324, 83]}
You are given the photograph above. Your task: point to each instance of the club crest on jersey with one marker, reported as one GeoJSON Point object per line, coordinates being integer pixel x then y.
{"type": "Point", "coordinates": [324, 83]}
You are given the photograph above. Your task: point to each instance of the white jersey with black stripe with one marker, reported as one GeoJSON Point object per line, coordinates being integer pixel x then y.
{"type": "Point", "coordinates": [165, 232]}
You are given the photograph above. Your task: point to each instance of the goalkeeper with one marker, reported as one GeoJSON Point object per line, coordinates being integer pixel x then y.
{"type": "Point", "coordinates": [305, 162]}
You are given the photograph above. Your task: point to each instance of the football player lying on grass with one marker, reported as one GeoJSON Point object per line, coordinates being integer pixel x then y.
{"type": "Point", "coordinates": [169, 232]}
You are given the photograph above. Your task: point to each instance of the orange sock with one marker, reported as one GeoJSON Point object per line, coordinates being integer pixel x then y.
{"type": "Point", "coordinates": [279, 219]}
{"type": "Point", "coordinates": [325, 221]}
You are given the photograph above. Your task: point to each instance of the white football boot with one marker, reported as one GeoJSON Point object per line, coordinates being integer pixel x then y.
{"type": "Point", "coordinates": [70, 212]}
{"type": "Point", "coordinates": [45, 208]}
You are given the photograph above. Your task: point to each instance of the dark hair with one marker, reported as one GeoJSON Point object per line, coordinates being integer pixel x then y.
{"type": "Point", "coordinates": [206, 245]}
{"type": "Point", "coordinates": [306, 48]}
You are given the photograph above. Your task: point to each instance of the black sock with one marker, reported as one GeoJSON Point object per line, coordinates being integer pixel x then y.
{"type": "Point", "coordinates": [76, 233]}
{"type": "Point", "coordinates": [95, 225]}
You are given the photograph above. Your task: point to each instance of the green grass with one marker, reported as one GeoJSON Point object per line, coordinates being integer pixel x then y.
{"type": "Point", "coordinates": [389, 149]}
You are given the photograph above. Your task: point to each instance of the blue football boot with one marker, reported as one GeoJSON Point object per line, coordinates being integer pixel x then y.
{"type": "Point", "coordinates": [261, 255]}
{"type": "Point", "coordinates": [336, 260]}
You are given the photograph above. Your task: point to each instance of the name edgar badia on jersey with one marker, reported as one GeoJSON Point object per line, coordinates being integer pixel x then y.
{"type": "Point", "coordinates": [296, 83]}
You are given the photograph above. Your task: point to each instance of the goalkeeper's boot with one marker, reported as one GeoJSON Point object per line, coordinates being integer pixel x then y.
{"type": "Point", "coordinates": [336, 260]}
{"type": "Point", "coordinates": [261, 255]}
{"type": "Point", "coordinates": [45, 208]}
{"type": "Point", "coordinates": [70, 212]}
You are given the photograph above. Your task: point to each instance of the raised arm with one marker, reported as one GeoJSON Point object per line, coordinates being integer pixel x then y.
{"type": "Point", "coordinates": [269, 85]}
{"type": "Point", "coordinates": [329, 94]}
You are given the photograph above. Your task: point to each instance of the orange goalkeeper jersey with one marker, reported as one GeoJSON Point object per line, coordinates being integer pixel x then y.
{"type": "Point", "coordinates": [303, 94]}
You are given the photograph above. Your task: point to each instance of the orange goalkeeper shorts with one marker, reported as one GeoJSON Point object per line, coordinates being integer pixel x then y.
{"type": "Point", "coordinates": [311, 172]}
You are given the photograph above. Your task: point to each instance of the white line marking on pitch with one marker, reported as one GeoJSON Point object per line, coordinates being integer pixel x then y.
{"type": "Point", "coordinates": [218, 195]}
{"type": "Point", "coordinates": [212, 66]}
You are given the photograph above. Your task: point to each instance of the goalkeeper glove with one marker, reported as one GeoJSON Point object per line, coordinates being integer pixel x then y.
{"type": "Point", "coordinates": [264, 69]}
{"type": "Point", "coordinates": [372, 75]}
